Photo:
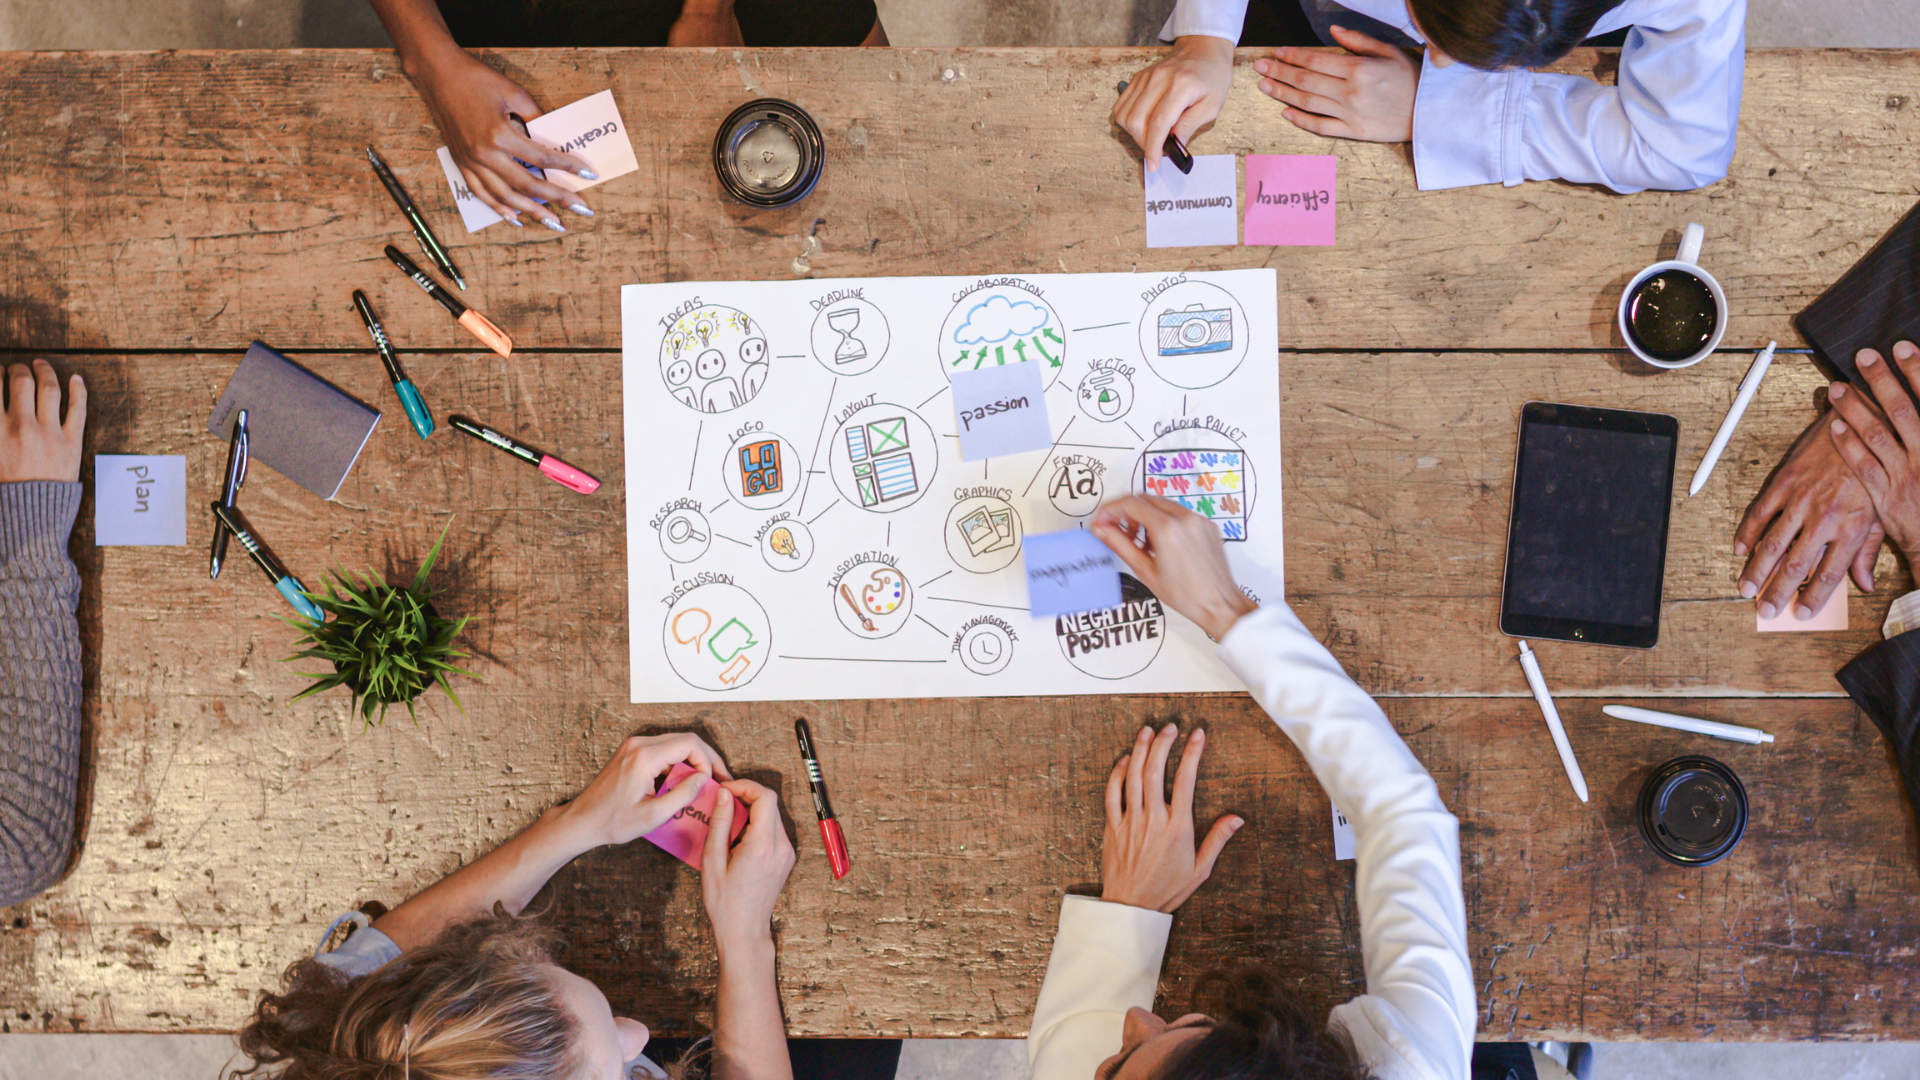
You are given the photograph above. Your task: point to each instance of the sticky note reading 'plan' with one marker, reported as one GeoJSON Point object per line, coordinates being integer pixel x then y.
{"type": "Point", "coordinates": [684, 836]}
{"type": "Point", "coordinates": [1070, 572]}
{"type": "Point", "coordinates": [1195, 209]}
{"type": "Point", "coordinates": [589, 129]}
{"type": "Point", "coordinates": [139, 501]}
{"type": "Point", "coordinates": [1831, 616]}
{"type": "Point", "coordinates": [1290, 199]}
{"type": "Point", "coordinates": [1001, 410]}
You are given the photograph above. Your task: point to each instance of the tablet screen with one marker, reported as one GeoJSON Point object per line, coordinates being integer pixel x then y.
{"type": "Point", "coordinates": [1587, 540]}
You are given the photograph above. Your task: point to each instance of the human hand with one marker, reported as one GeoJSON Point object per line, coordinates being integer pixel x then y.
{"type": "Point", "coordinates": [1882, 445]}
{"type": "Point", "coordinates": [620, 804]}
{"type": "Point", "coordinates": [1180, 94]}
{"type": "Point", "coordinates": [34, 444]}
{"type": "Point", "coordinates": [1368, 95]}
{"type": "Point", "coordinates": [739, 886]}
{"type": "Point", "coordinates": [1147, 858]}
{"type": "Point", "coordinates": [1177, 555]}
{"type": "Point", "coordinates": [1813, 515]}
{"type": "Point", "coordinates": [470, 102]}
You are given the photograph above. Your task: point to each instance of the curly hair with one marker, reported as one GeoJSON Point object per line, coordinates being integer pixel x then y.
{"type": "Point", "coordinates": [1260, 1032]}
{"type": "Point", "coordinates": [1496, 35]}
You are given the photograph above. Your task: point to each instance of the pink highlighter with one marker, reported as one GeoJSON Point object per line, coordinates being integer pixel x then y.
{"type": "Point", "coordinates": [558, 471]}
{"type": "Point", "coordinates": [684, 836]}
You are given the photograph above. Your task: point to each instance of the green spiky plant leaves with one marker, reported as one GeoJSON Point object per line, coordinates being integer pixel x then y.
{"type": "Point", "coordinates": [386, 645]}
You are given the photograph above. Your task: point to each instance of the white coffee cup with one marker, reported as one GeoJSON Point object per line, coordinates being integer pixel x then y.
{"type": "Point", "coordinates": [1686, 260]}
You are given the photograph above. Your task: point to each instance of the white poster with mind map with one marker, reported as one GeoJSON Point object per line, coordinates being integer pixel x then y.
{"type": "Point", "coordinates": [800, 524]}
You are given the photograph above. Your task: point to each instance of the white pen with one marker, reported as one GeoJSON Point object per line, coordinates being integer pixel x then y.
{"type": "Point", "coordinates": [1714, 728]}
{"type": "Point", "coordinates": [1539, 686]}
{"type": "Point", "coordinates": [1740, 399]}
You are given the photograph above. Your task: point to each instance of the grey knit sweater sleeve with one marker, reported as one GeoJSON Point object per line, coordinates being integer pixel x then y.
{"type": "Point", "coordinates": [39, 685]}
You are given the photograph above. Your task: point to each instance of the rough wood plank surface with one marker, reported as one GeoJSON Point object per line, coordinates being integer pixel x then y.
{"type": "Point", "coordinates": [227, 826]}
{"type": "Point", "coordinates": [198, 200]}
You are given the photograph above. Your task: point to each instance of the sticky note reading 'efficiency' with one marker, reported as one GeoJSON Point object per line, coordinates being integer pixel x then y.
{"type": "Point", "coordinates": [1831, 616]}
{"type": "Point", "coordinates": [1001, 410]}
{"type": "Point", "coordinates": [1194, 209]}
{"type": "Point", "coordinates": [1290, 199]}
{"type": "Point", "coordinates": [684, 836]}
{"type": "Point", "coordinates": [1070, 572]}
{"type": "Point", "coordinates": [589, 129]}
{"type": "Point", "coordinates": [139, 500]}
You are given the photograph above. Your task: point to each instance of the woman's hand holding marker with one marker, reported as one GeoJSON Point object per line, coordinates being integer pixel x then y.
{"type": "Point", "coordinates": [1180, 94]}
{"type": "Point", "coordinates": [1178, 555]}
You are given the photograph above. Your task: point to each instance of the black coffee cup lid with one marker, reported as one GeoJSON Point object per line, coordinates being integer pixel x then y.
{"type": "Point", "coordinates": [1693, 811]}
{"type": "Point", "coordinates": [769, 152]}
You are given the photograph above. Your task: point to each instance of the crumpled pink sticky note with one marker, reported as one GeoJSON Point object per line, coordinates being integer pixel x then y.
{"type": "Point", "coordinates": [1290, 199]}
{"type": "Point", "coordinates": [684, 836]}
{"type": "Point", "coordinates": [1831, 616]}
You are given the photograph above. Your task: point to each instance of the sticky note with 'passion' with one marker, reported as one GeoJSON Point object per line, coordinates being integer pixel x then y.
{"type": "Point", "coordinates": [1070, 572]}
{"type": "Point", "coordinates": [684, 836]}
{"type": "Point", "coordinates": [1001, 410]}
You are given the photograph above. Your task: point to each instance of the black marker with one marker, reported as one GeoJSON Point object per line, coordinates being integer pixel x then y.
{"type": "Point", "coordinates": [263, 557]}
{"type": "Point", "coordinates": [1175, 150]}
{"type": "Point", "coordinates": [410, 398]}
{"type": "Point", "coordinates": [428, 242]}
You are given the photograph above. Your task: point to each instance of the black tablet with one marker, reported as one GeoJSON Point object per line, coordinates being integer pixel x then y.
{"type": "Point", "coordinates": [1587, 536]}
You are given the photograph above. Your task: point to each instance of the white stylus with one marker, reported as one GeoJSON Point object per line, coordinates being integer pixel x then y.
{"type": "Point", "coordinates": [1739, 408]}
{"type": "Point", "coordinates": [1539, 686]}
{"type": "Point", "coordinates": [1714, 728]}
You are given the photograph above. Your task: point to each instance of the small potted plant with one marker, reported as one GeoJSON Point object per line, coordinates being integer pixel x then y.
{"type": "Point", "coordinates": [387, 643]}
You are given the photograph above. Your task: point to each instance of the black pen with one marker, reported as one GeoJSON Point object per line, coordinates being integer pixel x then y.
{"type": "Point", "coordinates": [410, 398]}
{"type": "Point", "coordinates": [1175, 150]}
{"type": "Point", "coordinates": [288, 585]}
{"type": "Point", "coordinates": [429, 242]}
{"type": "Point", "coordinates": [237, 458]}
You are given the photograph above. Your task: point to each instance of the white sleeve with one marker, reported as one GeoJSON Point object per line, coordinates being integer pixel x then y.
{"type": "Point", "coordinates": [1106, 959]}
{"type": "Point", "coordinates": [1417, 1017]}
{"type": "Point", "coordinates": [1669, 124]}
{"type": "Point", "coordinates": [1214, 18]}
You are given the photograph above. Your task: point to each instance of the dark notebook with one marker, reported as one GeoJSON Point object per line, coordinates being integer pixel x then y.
{"type": "Point", "coordinates": [304, 427]}
{"type": "Point", "coordinates": [1872, 306]}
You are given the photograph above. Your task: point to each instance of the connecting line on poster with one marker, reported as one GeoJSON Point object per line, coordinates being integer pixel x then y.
{"type": "Point", "coordinates": [696, 453]}
{"type": "Point", "coordinates": [823, 513]}
{"type": "Point", "coordinates": [860, 659]}
{"type": "Point", "coordinates": [724, 536]}
{"type": "Point", "coordinates": [975, 603]}
{"type": "Point", "coordinates": [1102, 326]}
{"type": "Point", "coordinates": [931, 580]}
{"type": "Point", "coordinates": [719, 504]}
{"type": "Point", "coordinates": [1049, 457]}
{"type": "Point", "coordinates": [930, 626]}
{"type": "Point", "coordinates": [1135, 430]}
{"type": "Point", "coordinates": [936, 394]}
{"type": "Point", "coordinates": [819, 437]}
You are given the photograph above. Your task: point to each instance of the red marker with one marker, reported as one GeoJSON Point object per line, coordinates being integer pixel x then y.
{"type": "Point", "coordinates": [830, 833]}
{"type": "Point", "coordinates": [556, 470]}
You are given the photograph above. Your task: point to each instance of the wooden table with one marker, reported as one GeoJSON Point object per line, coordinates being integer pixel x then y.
{"type": "Point", "coordinates": [158, 211]}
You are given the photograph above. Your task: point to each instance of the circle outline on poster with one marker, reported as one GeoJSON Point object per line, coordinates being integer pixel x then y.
{"type": "Point", "coordinates": [781, 467]}
{"type": "Point", "coordinates": [698, 529]}
{"type": "Point", "coordinates": [1083, 503]}
{"type": "Point", "coordinates": [786, 544]}
{"type": "Point", "coordinates": [983, 534]}
{"type": "Point", "coordinates": [898, 463]}
{"type": "Point", "coordinates": [985, 648]}
{"type": "Point", "coordinates": [861, 594]}
{"type": "Point", "coordinates": [1198, 442]}
{"type": "Point", "coordinates": [711, 619]}
{"type": "Point", "coordinates": [1096, 633]}
{"type": "Point", "coordinates": [1106, 379]}
{"type": "Point", "coordinates": [1181, 334]}
{"type": "Point", "coordinates": [999, 318]}
{"type": "Point", "coordinates": [832, 332]}
{"type": "Point", "coordinates": [713, 358]}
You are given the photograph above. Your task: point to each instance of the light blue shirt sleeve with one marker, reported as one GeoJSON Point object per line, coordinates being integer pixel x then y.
{"type": "Point", "coordinates": [1214, 18]}
{"type": "Point", "coordinates": [365, 951]}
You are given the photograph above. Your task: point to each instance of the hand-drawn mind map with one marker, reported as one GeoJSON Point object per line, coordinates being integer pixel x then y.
{"type": "Point", "coordinates": [800, 524]}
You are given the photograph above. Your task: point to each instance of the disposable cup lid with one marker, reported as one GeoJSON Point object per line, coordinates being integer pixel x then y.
{"type": "Point", "coordinates": [1693, 811]}
{"type": "Point", "coordinates": [768, 152]}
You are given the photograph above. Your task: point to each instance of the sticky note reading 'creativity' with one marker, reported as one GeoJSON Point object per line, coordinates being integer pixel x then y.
{"type": "Point", "coordinates": [1831, 616]}
{"type": "Point", "coordinates": [1001, 410]}
{"type": "Point", "coordinates": [590, 129]}
{"type": "Point", "coordinates": [684, 836]}
{"type": "Point", "coordinates": [1194, 209]}
{"type": "Point", "coordinates": [1069, 572]}
{"type": "Point", "coordinates": [1290, 199]}
{"type": "Point", "coordinates": [139, 500]}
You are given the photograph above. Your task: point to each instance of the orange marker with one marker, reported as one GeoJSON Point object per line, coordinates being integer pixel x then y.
{"type": "Point", "coordinates": [477, 324]}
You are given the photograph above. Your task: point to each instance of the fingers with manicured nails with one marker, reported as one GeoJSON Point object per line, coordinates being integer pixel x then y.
{"type": "Point", "coordinates": [1154, 797]}
{"type": "Point", "coordinates": [713, 859]}
{"type": "Point", "coordinates": [1894, 402]}
{"type": "Point", "coordinates": [76, 405]}
{"type": "Point", "coordinates": [1211, 847]}
{"type": "Point", "coordinates": [1187, 777]}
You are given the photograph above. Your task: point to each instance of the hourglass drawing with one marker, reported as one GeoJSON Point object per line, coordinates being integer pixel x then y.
{"type": "Point", "coordinates": [844, 322]}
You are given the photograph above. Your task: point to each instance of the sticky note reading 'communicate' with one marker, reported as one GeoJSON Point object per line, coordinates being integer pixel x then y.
{"type": "Point", "coordinates": [1001, 410]}
{"type": "Point", "coordinates": [139, 500]}
{"type": "Point", "coordinates": [684, 836]}
{"type": "Point", "coordinates": [1831, 616]}
{"type": "Point", "coordinates": [1070, 572]}
{"type": "Point", "coordinates": [589, 129]}
{"type": "Point", "coordinates": [1194, 209]}
{"type": "Point", "coordinates": [1290, 199]}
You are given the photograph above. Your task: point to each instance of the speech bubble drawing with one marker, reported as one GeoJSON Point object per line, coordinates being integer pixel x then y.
{"type": "Point", "coordinates": [732, 639]}
{"type": "Point", "coordinates": [706, 623]}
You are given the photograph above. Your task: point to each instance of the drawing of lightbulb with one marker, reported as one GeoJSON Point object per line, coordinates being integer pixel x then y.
{"type": "Point", "coordinates": [705, 327]}
{"type": "Point", "coordinates": [781, 541]}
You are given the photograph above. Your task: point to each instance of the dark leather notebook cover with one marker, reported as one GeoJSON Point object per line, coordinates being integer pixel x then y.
{"type": "Point", "coordinates": [304, 427]}
{"type": "Point", "coordinates": [1872, 306]}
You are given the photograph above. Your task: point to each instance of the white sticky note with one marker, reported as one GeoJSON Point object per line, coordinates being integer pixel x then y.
{"type": "Point", "coordinates": [139, 500]}
{"type": "Point", "coordinates": [1000, 410]}
{"type": "Point", "coordinates": [475, 214]}
{"type": "Point", "coordinates": [1197, 209]}
{"type": "Point", "coordinates": [591, 130]}
{"type": "Point", "coordinates": [1342, 836]}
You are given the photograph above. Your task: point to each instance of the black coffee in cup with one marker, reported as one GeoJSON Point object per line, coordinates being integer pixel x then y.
{"type": "Point", "coordinates": [1671, 315]}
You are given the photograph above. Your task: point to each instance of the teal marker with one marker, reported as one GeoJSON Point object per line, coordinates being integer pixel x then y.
{"type": "Point", "coordinates": [288, 585]}
{"type": "Point", "coordinates": [410, 398]}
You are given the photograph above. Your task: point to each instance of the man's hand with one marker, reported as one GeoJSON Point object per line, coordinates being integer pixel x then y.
{"type": "Point", "coordinates": [620, 804]}
{"type": "Point", "coordinates": [1812, 519]}
{"type": "Point", "coordinates": [1180, 94]}
{"type": "Point", "coordinates": [34, 444]}
{"type": "Point", "coordinates": [1147, 858]}
{"type": "Point", "coordinates": [1177, 555]}
{"type": "Point", "coordinates": [1368, 95]}
{"type": "Point", "coordinates": [1882, 445]}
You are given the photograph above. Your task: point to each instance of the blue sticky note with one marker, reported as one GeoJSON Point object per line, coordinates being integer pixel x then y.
{"type": "Point", "coordinates": [1070, 572]}
{"type": "Point", "coordinates": [139, 500]}
{"type": "Point", "coordinates": [1000, 410]}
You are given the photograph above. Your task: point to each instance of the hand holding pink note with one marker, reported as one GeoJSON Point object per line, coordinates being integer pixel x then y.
{"type": "Point", "coordinates": [1290, 199]}
{"type": "Point", "coordinates": [684, 836]}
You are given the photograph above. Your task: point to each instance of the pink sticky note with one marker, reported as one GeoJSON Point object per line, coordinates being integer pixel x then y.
{"type": "Point", "coordinates": [1290, 199]}
{"type": "Point", "coordinates": [684, 836]}
{"type": "Point", "coordinates": [591, 130]}
{"type": "Point", "coordinates": [1831, 616]}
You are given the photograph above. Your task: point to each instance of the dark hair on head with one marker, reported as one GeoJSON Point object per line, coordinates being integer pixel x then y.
{"type": "Point", "coordinates": [1260, 1032]}
{"type": "Point", "coordinates": [1495, 35]}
